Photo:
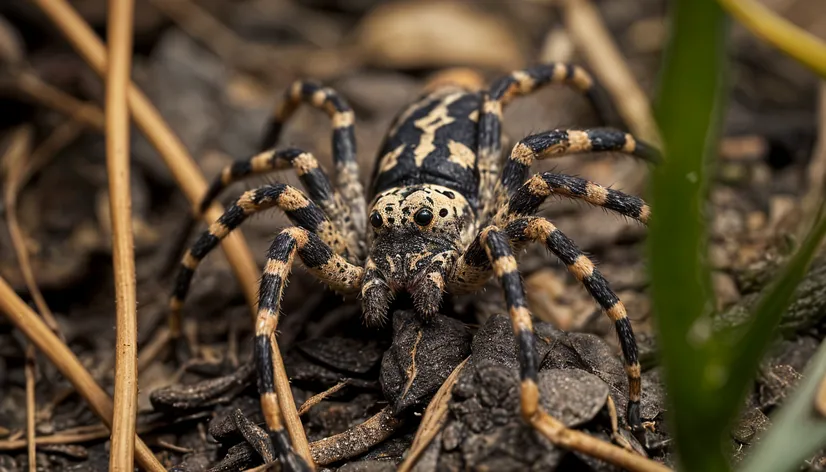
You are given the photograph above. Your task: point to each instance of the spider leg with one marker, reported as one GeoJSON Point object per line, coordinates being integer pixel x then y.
{"type": "Point", "coordinates": [539, 230]}
{"type": "Point", "coordinates": [562, 142]}
{"type": "Point", "coordinates": [298, 208]}
{"type": "Point", "coordinates": [311, 174]}
{"type": "Point", "coordinates": [500, 256]}
{"type": "Point", "coordinates": [520, 83]}
{"type": "Point", "coordinates": [527, 199]}
{"type": "Point", "coordinates": [479, 261]}
{"type": "Point", "coordinates": [321, 261]}
{"type": "Point", "coordinates": [343, 143]}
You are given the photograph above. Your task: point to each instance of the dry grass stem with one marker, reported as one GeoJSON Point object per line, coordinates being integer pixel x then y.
{"type": "Point", "coordinates": [27, 321]}
{"type": "Point", "coordinates": [318, 398]}
{"type": "Point", "coordinates": [574, 440]}
{"type": "Point", "coordinates": [17, 173]}
{"type": "Point", "coordinates": [188, 177]}
{"type": "Point", "coordinates": [433, 419]}
{"type": "Point", "coordinates": [150, 351]}
{"type": "Point", "coordinates": [357, 440]}
{"type": "Point", "coordinates": [592, 39]}
{"type": "Point", "coordinates": [45, 94]}
{"type": "Point", "coordinates": [183, 168]}
{"type": "Point", "coordinates": [81, 434]}
{"type": "Point", "coordinates": [288, 410]}
{"type": "Point", "coordinates": [199, 24]}
{"type": "Point", "coordinates": [31, 407]}
{"type": "Point", "coordinates": [121, 457]}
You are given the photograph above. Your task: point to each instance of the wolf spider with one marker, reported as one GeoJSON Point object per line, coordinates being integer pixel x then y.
{"type": "Point", "coordinates": [444, 214]}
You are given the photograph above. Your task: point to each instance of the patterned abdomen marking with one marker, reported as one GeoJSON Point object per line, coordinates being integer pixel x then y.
{"type": "Point", "coordinates": [433, 142]}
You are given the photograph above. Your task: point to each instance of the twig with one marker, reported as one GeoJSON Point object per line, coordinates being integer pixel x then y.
{"type": "Point", "coordinates": [199, 24]}
{"type": "Point", "coordinates": [192, 183]}
{"type": "Point", "coordinates": [119, 29]}
{"type": "Point", "coordinates": [433, 420]}
{"type": "Point", "coordinates": [52, 97]}
{"type": "Point", "coordinates": [593, 40]}
{"type": "Point", "coordinates": [170, 446]}
{"type": "Point", "coordinates": [574, 440]}
{"type": "Point", "coordinates": [151, 350]}
{"type": "Point", "coordinates": [263, 467]}
{"type": "Point", "coordinates": [287, 405]}
{"type": "Point", "coordinates": [318, 398]}
{"type": "Point", "coordinates": [357, 440]}
{"type": "Point", "coordinates": [17, 173]}
{"type": "Point", "coordinates": [62, 135]}
{"type": "Point", "coordinates": [31, 407]}
{"type": "Point", "coordinates": [64, 359]}
{"type": "Point", "coordinates": [172, 151]}
{"type": "Point", "coordinates": [77, 435]}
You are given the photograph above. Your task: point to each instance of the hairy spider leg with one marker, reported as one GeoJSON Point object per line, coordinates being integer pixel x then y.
{"type": "Point", "coordinates": [298, 208]}
{"type": "Point", "coordinates": [502, 92]}
{"type": "Point", "coordinates": [527, 199]}
{"type": "Point", "coordinates": [499, 254]}
{"type": "Point", "coordinates": [322, 262]}
{"type": "Point", "coordinates": [311, 174]}
{"type": "Point", "coordinates": [562, 142]}
{"type": "Point", "coordinates": [348, 181]}
{"type": "Point", "coordinates": [539, 230]}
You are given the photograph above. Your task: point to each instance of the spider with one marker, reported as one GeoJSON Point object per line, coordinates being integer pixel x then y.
{"type": "Point", "coordinates": [444, 214]}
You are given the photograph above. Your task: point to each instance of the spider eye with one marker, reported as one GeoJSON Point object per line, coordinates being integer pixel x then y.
{"type": "Point", "coordinates": [375, 220]}
{"type": "Point", "coordinates": [423, 217]}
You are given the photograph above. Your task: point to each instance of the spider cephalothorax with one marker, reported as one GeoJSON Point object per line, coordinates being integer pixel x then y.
{"type": "Point", "coordinates": [418, 232]}
{"type": "Point", "coordinates": [446, 214]}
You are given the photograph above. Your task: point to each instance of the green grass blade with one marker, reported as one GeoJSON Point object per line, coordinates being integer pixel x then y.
{"type": "Point", "coordinates": [688, 112]}
{"type": "Point", "coordinates": [797, 431]}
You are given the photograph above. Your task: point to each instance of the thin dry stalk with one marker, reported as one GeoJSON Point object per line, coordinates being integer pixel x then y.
{"type": "Point", "coordinates": [192, 183]}
{"type": "Point", "coordinates": [287, 405]}
{"type": "Point", "coordinates": [172, 151]}
{"type": "Point", "coordinates": [151, 350]}
{"type": "Point", "coordinates": [433, 419]}
{"type": "Point", "coordinates": [27, 321]}
{"type": "Point", "coordinates": [357, 440]}
{"type": "Point", "coordinates": [45, 94]}
{"type": "Point", "coordinates": [124, 421]}
{"type": "Point", "coordinates": [61, 136]}
{"type": "Point", "coordinates": [592, 39]}
{"type": "Point", "coordinates": [31, 408]}
{"type": "Point", "coordinates": [574, 440]}
{"type": "Point", "coordinates": [201, 25]}
{"type": "Point", "coordinates": [77, 435]}
{"type": "Point", "coordinates": [17, 173]}
{"type": "Point", "coordinates": [318, 398]}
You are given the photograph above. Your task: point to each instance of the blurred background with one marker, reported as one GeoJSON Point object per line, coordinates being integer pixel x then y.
{"type": "Point", "coordinates": [217, 68]}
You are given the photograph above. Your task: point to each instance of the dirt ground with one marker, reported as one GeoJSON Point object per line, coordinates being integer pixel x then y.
{"type": "Point", "coordinates": [216, 87]}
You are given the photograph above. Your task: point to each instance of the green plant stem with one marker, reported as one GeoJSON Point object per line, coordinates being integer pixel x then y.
{"type": "Point", "coordinates": [688, 111]}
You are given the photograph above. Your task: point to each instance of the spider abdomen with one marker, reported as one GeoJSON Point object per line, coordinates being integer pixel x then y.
{"type": "Point", "coordinates": [434, 141]}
